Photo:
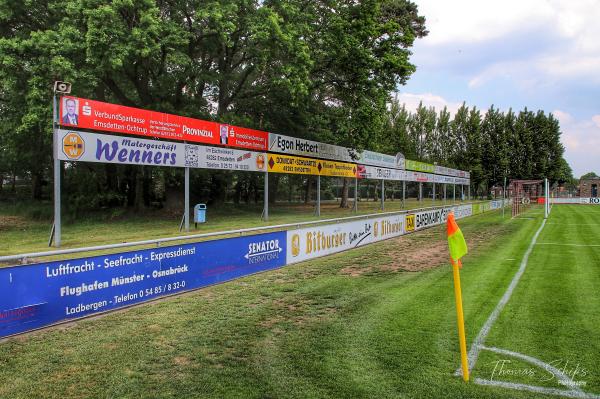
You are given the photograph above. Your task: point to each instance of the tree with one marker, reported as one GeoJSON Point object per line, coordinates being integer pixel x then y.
{"type": "Point", "coordinates": [321, 70]}
{"type": "Point", "coordinates": [495, 149]}
{"type": "Point", "coordinates": [589, 175]}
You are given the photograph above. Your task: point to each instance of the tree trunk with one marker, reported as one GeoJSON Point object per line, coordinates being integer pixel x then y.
{"type": "Point", "coordinates": [237, 191]}
{"type": "Point", "coordinates": [254, 188]}
{"type": "Point", "coordinates": [308, 190]}
{"type": "Point", "coordinates": [345, 187]}
{"type": "Point", "coordinates": [139, 190]}
{"type": "Point", "coordinates": [147, 185]}
{"type": "Point", "coordinates": [36, 185]}
{"type": "Point", "coordinates": [218, 187]}
{"type": "Point", "coordinates": [130, 182]}
{"type": "Point", "coordinates": [273, 187]}
{"type": "Point", "coordinates": [112, 181]}
{"type": "Point", "coordinates": [14, 183]}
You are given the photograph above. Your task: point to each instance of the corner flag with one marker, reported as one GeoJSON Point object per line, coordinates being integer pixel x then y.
{"type": "Point", "coordinates": [456, 240]}
{"type": "Point", "coordinates": [458, 249]}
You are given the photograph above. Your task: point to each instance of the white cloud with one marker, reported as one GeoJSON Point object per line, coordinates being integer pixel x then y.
{"type": "Point", "coordinates": [562, 37]}
{"type": "Point", "coordinates": [515, 53]}
{"type": "Point", "coordinates": [580, 139]}
{"type": "Point", "coordinates": [467, 21]}
{"type": "Point", "coordinates": [562, 116]}
{"type": "Point", "coordinates": [412, 100]}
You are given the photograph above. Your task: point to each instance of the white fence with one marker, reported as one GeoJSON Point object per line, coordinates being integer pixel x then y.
{"type": "Point", "coordinates": [576, 200]}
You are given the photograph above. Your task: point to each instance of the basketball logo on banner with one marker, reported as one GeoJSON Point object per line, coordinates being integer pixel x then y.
{"type": "Point", "coordinates": [73, 145]}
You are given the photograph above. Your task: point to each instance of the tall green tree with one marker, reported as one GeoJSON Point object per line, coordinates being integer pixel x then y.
{"type": "Point", "coordinates": [322, 70]}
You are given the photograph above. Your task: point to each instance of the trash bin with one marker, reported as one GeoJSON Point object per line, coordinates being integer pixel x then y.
{"type": "Point", "coordinates": [199, 214]}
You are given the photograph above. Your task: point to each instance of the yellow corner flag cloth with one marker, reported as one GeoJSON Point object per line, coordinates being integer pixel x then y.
{"type": "Point", "coordinates": [456, 240]}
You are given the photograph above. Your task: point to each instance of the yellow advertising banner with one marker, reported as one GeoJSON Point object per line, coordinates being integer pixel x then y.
{"type": "Point", "coordinates": [338, 169]}
{"type": "Point", "coordinates": [308, 166]}
{"type": "Point", "coordinates": [409, 223]}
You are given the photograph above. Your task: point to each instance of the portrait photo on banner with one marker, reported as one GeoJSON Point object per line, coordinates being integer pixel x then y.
{"type": "Point", "coordinates": [70, 111]}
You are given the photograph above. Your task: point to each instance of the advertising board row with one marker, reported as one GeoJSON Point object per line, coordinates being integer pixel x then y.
{"type": "Point", "coordinates": [92, 147]}
{"type": "Point", "coordinates": [38, 295]}
{"type": "Point", "coordinates": [96, 115]}
{"type": "Point", "coordinates": [576, 200]}
{"type": "Point", "coordinates": [379, 173]}
{"type": "Point", "coordinates": [313, 242]}
{"type": "Point", "coordinates": [296, 146]}
{"type": "Point", "coordinates": [309, 166]}
{"type": "Point", "coordinates": [438, 169]}
{"type": "Point", "coordinates": [81, 113]}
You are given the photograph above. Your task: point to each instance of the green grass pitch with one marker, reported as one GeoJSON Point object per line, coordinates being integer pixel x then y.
{"type": "Point", "coordinates": [375, 322]}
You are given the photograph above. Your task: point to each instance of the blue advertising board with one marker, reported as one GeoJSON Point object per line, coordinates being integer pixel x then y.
{"type": "Point", "coordinates": [39, 295]}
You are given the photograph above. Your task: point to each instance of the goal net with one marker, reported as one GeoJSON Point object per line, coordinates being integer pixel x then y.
{"type": "Point", "coordinates": [524, 193]}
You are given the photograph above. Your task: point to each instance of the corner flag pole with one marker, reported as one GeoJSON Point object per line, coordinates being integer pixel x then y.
{"type": "Point", "coordinates": [458, 248]}
{"type": "Point", "coordinates": [460, 321]}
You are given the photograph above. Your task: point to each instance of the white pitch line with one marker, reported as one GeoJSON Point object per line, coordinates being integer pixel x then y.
{"type": "Point", "coordinates": [568, 245]}
{"type": "Point", "coordinates": [533, 388]}
{"type": "Point", "coordinates": [480, 339]}
{"type": "Point", "coordinates": [562, 377]}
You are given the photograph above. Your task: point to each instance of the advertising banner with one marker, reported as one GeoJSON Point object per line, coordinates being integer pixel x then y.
{"type": "Point", "coordinates": [308, 166]}
{"type": "Point", "coordinates": [337, 169]}
{"type": "Point", "coordinates": [444, 179]}
{"type": "Point", "coordinates": [571, 200]}
{"type": "Point", "coordinates": [296, 146]}
{"type": "Point", "coordinates": [92, 147]}
{"type": "Point", "coordinates": [576, 200]}
{"type": "Point", "coordinates": [38, 295]}
{"type": "Point", "coordinates": [313, 242]}
{"type": "Point", "coordinates": [96, 115]}
{"type": "Point", "coordinates": [496, 204]}
{"type": "Point", "coordinates": [419, 177]}
{"type": "Point", "coordinates": [442, 170]}
{"type": "Point", "coordinates": [419, 166]}
{"type": "Point", "coordinates": [462, 211]}
{"type": "Point", "coordinates": [421, 220]}
{"type": "Point", "coordinates": [379, 173]}
{"type": "Point", "coordinates": [481, 207]}
{"type": "Point", "coordinates": [376, 172]}
{"type": "Point", "coordinates": [430, 218]}
{"type": "Point", "coordinates": [438, 169]}
{"type": "Point", "coordinates": [383, 160]}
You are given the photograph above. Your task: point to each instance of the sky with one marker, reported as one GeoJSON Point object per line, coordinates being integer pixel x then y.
{"type": "Point", "coordinates": [539, 54]}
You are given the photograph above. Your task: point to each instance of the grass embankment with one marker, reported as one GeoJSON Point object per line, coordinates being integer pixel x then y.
{"type": "Point", "coordinates": [356, 324]}
{"type": "Point", "coordinates": [22, 233]}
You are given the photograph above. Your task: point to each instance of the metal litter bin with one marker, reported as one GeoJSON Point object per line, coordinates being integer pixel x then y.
{"type": "Point", "coordinates": [199, 214]}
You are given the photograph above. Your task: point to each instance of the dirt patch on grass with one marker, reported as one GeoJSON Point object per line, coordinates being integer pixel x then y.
{"type": "Point", "coordinates": [11, 222]}
{"type": "Point", "coordinates": [356, 270]}
{"type": "Point", "coordinates": [419, 251]}
{"type": "Point", "coordinates": [182, 360]}
{"type": "Point", "coordinates": [416, 258]}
